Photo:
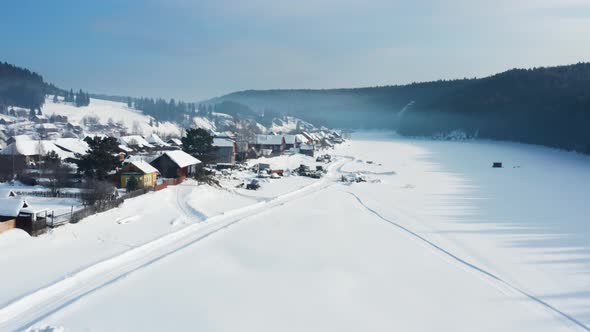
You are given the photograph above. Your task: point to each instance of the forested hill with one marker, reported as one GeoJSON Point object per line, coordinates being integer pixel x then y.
{"type": "Point", "coordinates": [548, 106]}
{"type": "Point", "coordinates": [21, 87]}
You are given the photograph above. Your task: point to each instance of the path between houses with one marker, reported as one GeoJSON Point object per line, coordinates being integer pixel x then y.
{"type": "Point", "coordinates": [33, 307]}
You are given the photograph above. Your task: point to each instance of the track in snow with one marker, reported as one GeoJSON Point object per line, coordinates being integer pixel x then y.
{"type": "Point", "coordinates": [32, 308]}
{"type": "Point", "coordinates": [493, 277]}
{"type": "Point", "coordinates": [188, 212]}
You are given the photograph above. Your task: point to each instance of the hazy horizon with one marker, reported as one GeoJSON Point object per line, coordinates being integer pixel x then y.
{"type": "Point", "coordinates": [197, 50]}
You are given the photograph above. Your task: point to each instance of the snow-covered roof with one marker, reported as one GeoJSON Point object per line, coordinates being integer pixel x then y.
{"type": "Point", "coordinates": [7, 118]}
{"type": "Point", "coordinates": [22, 138]}
{"type": "Point", "coordinates": [124, 148]}
{"type": "Point", "coordinates": [222, 142]}
{"type": "Point", "coordinates": [269, 139]}
{"type": "Point", "coordinates": [290, 139]}
{"type": "Point", "coordinates": [135, 140]}
{"type": "Point", "coordinates": [46, 126]}
{"type": "Point", "coordinates": [73, 145]}
{"type": "Point", "coordinates": [301, 138]}
{"type": "Point", "coordinates": [223, 134]}
{"type": "Point", "coordinates": [6, 193]}
{"type": "Point", "coordinates": [10, 207]}
{"type": "Point", "coordinates": [34, 148]}
{"type": "Point", "coordinates": [176, 141]}
{"type": "Point", "coordinates": [181, 158]}
{"type": "Point", "coordinates": [144, 167]}
{"type": "Point", "coordinates": [155, 140]}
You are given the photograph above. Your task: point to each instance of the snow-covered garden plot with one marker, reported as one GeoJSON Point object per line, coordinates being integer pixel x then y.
{"type": "Point", "coordinates": [442, 242]}
{"type": "Point", "coordinates": [59, 205]}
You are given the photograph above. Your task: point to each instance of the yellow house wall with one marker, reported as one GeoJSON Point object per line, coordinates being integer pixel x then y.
{"type": "Point", "coordinates": [146, 180]}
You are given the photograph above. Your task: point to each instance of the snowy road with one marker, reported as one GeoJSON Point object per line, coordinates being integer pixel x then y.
{"type": "Point", "coordinates": [435, 240]}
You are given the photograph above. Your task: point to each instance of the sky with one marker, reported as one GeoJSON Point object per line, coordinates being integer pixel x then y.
{"type": "Point", "coordinates": [194, 50]}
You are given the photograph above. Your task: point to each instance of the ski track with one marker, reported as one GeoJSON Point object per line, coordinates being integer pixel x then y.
{"type": "Point", "coordinates": [481, 271]}
{"type": "Point", "coordinates": [187, 212]}
{"type": "Point", "coordinates": [33, 307]}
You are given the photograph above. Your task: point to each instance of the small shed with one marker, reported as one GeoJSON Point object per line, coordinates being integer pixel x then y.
{"type": "Point", "coordinates": [10, 208]}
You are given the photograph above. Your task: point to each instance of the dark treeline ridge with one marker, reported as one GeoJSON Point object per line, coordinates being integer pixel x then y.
{"type": "Point", "coordinates": [548, 106]}
{"type": "Point", "coordinates": [163, 110]}
{"type": "Point", "coordinates": [22, 87]}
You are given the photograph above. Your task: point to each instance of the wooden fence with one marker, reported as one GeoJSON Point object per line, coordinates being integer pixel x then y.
{"type": "Point", "coordinates": [38, 193]}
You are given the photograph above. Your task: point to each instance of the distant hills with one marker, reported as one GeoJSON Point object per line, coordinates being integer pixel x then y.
{"type": "Point", "coordinates": [548, 106]}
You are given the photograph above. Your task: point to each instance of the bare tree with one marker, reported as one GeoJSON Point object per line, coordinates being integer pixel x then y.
{"type": "Point", "coordinates": [97, 193]}
{"type": "Point", "coordinates": [136, 128]}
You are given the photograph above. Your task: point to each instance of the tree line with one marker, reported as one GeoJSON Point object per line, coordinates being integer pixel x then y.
{"type": "Point", "coordinates": [22, 88]}
{"type": "Point", "coordinates": [79, 98]}
{"type": "Point", "coordinates": [163, 110]}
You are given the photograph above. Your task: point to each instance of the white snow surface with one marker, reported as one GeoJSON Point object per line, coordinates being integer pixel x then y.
{"type": "Point", "coordinates": [145, 167]}
{"type": "Point", "coordinates": [34, 147]}
{"type": "Point", "coordinates": [73, 144]}
{"type": "Point", "coordinates": [105, 110]}
{"type": "Point", "coordinates": [181, 158]}
{"type": "Point", "coordinates": [222, 142]}
{"type": "Point", "coordinates": [11, 206]}
{"type": "Point", "coordinates": [439, 241]}
{"type": "Point", "coordinates": [203, 123]}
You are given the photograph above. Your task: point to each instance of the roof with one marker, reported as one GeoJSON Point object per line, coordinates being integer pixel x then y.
{"type": "Point", "coordinates": [135, 140]}
{"type": "Point", "coordinates": [6, 193]}
{"type": "Point", "coordinates": [290, 139]}
{"type": "Point", "coordinates": [144, 167]}
{"type": "Point", "coordinates": [10, 207]}
{"type": "Point", "coordinates": [73, 145]}
{"type": "Point", "coordinates": [34, 148]}
{"type": "Point", "coordinates": [7, 118]}
{"type": "Point", "coordinates": [301, 138]}
{"type": "Point", "coordinates": [46, 126]}
{"type": "Point", "coordinates": [222, 142]}
{"type": "Point", "coordinates": [175, 141]}
{"type": "Point", "coordinates": [124, 148]}
{"type": "Point", "coordinates": [156, 140]}
{"type": "Point", "coordinates": [181, 158]}
{"type": "Point", "coordinates": [269, 139]}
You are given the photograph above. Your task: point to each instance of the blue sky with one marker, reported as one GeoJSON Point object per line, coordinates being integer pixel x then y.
{"type": "Point", "coordinates": [194, 50]}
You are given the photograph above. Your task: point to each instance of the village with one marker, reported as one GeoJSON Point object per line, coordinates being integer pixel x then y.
{"type": "Point", "coordinates": [42, 187]}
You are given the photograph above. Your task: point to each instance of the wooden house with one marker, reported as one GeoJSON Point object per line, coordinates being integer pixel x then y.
{"type": "Point", "coordinates": [225, 150]}
{"type": "Point", "coordinates": [290, 141]}
{"type": "Point", "coordinates": [176, 164]}
{"type": "Point", "coordinates": [144, 173]}
{"type": "Point", "coordinates": [269, 144]}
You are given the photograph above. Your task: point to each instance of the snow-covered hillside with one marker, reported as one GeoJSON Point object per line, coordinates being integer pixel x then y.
{"type": "Point", "coordinates": [435, 240]}
{"type": "Point", "coordinates": [110, 111]}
